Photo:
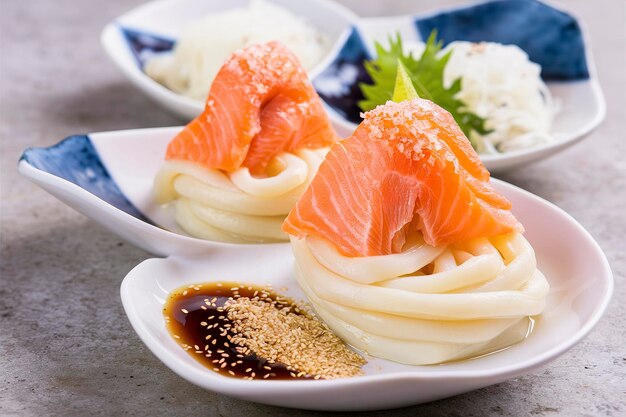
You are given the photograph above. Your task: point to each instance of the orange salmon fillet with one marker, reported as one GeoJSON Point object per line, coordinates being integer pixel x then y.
{"type": "Point", "coordinates": [407, 167]}
{"type": "Point", "coordinates": [261, 104]}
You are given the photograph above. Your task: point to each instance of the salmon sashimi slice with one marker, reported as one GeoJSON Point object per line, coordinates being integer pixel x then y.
{"type": "Point", "coordinates": [260, 105]}
{"type": "Point", "coordinates": [407, 168]}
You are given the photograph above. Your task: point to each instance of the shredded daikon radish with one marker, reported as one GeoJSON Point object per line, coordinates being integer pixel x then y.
{"type": "Point", "coordinates": [500, 84]}
{"type": "Point", "coordinates": [206, 43]}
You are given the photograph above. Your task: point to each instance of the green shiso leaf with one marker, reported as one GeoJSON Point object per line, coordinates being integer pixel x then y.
{"type": "Point", "coordinates": [426, 75]}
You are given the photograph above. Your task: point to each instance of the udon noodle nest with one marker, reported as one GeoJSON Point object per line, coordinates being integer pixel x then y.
{"type": "Point", "coordinates": [427, 304]}
{"type": "Point", "coordinates": [236, 207]}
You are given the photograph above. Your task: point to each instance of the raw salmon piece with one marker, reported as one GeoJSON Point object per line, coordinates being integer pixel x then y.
{"type": "Point", "coordinates": [407, 167]}
{"type": "Point", "coordinates": [261, 104]}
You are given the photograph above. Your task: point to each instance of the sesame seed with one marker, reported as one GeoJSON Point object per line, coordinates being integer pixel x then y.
{"type": "Point", "coordinates": [266, 328]}
{"type": "Point", "coordinates": [271, 327]}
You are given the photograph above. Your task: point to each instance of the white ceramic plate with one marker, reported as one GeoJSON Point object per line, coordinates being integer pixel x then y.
{"type": "Point", "coordinates": [558, 44]}
{"type": "Point", "coordinates": [581, 286]}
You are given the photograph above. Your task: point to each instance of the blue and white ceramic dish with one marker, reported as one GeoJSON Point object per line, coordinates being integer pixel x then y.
{"type": "Point", "coordinates": [101, 176]}
{"type": "Point", "coordinates": [551, 37]}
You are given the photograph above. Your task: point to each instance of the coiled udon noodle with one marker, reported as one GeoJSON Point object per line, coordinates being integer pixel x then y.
{"type": "Point", "coordinates": [236, 207]}
{"type": "Point", "coordinates": [427, 304]}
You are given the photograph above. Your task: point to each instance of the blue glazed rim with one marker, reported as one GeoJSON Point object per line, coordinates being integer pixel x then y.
{"type": "Point", "coordinates": [550, 36]}
{"type": "Point", "coordinates": [76, 160]}
{"type": "Point", "coordinates": [143, 45]}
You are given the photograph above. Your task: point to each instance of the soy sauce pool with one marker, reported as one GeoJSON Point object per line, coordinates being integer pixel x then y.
{"type": "Point", "coordinates": [196, 319]}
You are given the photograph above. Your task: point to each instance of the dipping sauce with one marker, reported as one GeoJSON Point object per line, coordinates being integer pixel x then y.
{"type": "Point", "coordinates": [195, 316]}
{"type": "Point", "coordinates": [251, 332]}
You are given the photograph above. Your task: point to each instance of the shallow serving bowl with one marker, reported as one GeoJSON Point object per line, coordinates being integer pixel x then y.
{"type": "Point", "coordinates": [108, 177]}
{"type": "Point", "coordinates": [131, 39]}
{"type": "Point", "coordinates": [551, 37]}
{"type": "Point", "coordinates": [581, 286]}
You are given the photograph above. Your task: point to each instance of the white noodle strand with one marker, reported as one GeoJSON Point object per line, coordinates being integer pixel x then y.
{"type": "Point", "coordinates": [468, 299]}
{"type": "Point", "coordinates": [236, 207]}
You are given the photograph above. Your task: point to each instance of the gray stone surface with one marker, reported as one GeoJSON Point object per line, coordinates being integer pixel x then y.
{"type": "Point", "coordinates": [66, 347]}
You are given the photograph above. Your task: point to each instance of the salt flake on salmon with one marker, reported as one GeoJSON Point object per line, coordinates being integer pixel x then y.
{"type": "Point", "coordinates": [407, 168]}
{"type": "Point", "coordinates": [236, 170]}
{"type": "Point", "coordinates": [261, 104]}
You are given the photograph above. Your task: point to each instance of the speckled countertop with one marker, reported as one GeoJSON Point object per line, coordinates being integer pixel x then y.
{"type": "Point", "coordinates": [66, 347]}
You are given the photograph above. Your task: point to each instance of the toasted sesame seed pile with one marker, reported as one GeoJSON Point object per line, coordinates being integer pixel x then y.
{"type": "Point", "coordinates": [286, 333]}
